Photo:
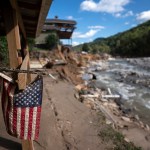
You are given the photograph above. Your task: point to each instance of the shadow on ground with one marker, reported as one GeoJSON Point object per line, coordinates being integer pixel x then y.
{"type": "Point", "coordinates": [9, 144]}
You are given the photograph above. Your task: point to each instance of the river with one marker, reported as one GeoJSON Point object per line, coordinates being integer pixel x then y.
{"type": "Point", "coordinates": [128, 78]}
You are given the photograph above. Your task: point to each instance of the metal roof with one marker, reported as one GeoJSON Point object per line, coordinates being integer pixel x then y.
{"type": "Point", "coordinates": [60, 21]}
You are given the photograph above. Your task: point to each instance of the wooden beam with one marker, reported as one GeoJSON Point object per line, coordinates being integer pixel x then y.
{"type": "Point", "coordinates": [15, 6]}
{"type": "Point", "coordinates": [25, 17]}
{"type": "Point", "coordinates": [43, 13]}
{"type": "Point", "coordinates": [29, 5]}
{"type": "Point", "coordinates": [12, 34]}
{"type": "Point", "coordinates": [22, 77]}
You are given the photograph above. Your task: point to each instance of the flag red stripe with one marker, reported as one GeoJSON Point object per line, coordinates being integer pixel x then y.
{"type": "Point", "coordinates": [37, 122]}
{"type": "Point", "coordinates": [23, 111]}
{"type": "Point", "coordinates": [4, 101]}
{"type": "Point", "coordinates": [14, 121]}
{"type": "Point", "coordinates": [3, 97]}
{"type": "Point", "coordinates": [8, 108]}
{"type": "Point", "coordinates": [30, 123]}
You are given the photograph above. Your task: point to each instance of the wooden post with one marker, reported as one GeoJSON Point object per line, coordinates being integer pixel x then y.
{"type": "Point", "coordinates": [27, 145]}
{"type": "Point", "coordinates": [13, 38]}
{"type": "Point", "coordinates": [12, 34]}
{"type": "Point", "coordinates": [24, 79]}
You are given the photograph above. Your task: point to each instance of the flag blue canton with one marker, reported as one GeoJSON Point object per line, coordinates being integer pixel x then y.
{"type": "Point", "coordinates": [31, 96]}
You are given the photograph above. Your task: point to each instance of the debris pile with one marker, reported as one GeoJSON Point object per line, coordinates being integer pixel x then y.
{"type": "Point", "coordinates": [117, 114]}
{"type": "Point", "coordinates": [64, 63]}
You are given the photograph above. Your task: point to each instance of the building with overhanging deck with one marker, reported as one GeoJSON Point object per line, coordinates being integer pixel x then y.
{"type": "Point", "coordinates": [63, 28]}
{"type": "Point", "coordinates": [20, 19]}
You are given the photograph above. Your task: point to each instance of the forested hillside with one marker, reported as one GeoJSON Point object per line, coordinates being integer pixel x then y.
{"type": "Point", "coordinates": [132, 43]}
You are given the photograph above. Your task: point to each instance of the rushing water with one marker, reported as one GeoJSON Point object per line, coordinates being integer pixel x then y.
{"type": "Point", "coordinates": [109, 75]}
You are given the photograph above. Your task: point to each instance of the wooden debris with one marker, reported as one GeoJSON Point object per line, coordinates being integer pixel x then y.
{"type": "Point", "coordinates": [6, 77]}
{"type": "Point", "coordinates": [90, 96]}
{"type": "Point", "coordinates": [52, 76]}
{"type": "Point", "coordinates": [109, 91]}
{"type": "Point", "coordinates": [110, 96]}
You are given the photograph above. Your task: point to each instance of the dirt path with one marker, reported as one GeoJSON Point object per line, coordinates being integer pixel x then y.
{"type": "Point", "coordinates": [66, 123]}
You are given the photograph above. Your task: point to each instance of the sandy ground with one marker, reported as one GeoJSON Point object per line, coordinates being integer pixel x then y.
{"type": "Point", "coordinates": [66, 124]}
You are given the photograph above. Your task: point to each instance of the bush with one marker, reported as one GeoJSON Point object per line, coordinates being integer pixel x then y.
{"type": "Point", "coordinates": [31, 43]}
{"type": "Point", "coordinates": [3, 51]}
{"type": "Point", "coordinates": [52, 40]}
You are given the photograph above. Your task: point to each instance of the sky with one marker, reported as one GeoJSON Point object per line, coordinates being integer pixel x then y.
{"type": "Point", "coordinates": [100, 18]}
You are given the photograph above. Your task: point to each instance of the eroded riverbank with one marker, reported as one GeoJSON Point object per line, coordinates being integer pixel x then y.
{"type": "Point", "coordinates": [131, 81]}
{"type": "Point", "coordinates": [130, 113]}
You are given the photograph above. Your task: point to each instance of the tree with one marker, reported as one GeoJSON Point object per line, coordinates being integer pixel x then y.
{"type": "Point", "coordinates": [85, 47]}
{"type": "Point", "coordinates": [52, 40]}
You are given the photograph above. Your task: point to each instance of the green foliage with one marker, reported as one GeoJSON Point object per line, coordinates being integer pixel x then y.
{"type": "Point", "coordinates": [85, 47]}
{"type": "Point", "coordinates": [52, 40]}
{"type": "Point", "coordinates": [131, 43]}
{"type": "Point", "coordinates": [31, 43]}
{"type": "Point", "coordinates": [3, 51]}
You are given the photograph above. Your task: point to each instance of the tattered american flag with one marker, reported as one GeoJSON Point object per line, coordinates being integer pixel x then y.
{"type": "Point", "coordinates": [22, 110]}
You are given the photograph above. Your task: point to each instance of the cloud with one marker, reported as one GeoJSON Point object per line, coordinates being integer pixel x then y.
{"type": "Point", "coordinates": [143, 16]}
{"type": "Point", "coordinates": [129, 13]}
{"type": "Point", "coordinates": [118, 15]}
{"type": "Point", "coordinates": [88, 34]}
{"type": "Point", "coordinates": [96, 27]}
{"type": "Point", "coordinates": [70, 17]}
{"type": "Point", "coordinates": [75, 43]}
{"type": "Point", "coordinates": [126, 23]}
{"type": "Point", "coordinates": [108, 6]}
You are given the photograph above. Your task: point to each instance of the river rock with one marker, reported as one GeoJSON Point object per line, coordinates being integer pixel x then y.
{"type": "Point", "coordinates": [103, 100]}
{"type": "Point", "coordinates": [147, 137]}
{"type": "Point", "coordinates": [147, 127]}
{"type": "Point", "coordinates": [80, 87]}
{"type": "Point", "coordinates": [108, 122]}
{"type": "Point", "coordinates": [118, 102]}
{"type": "Point", "coordinates": [76, 95]}
{"type": "Point", "coordinates": [87, 76]}
{"type": "Point", "coordinates": [125, 110]}
{"type": "Point", "coordinates": [105, 104]}
{"type": "Point", "coordinates": [126, 119]}
{"type": "Point", "coordinates": [127, 140]}
{"type": "Point", "coordinates": [113, 105]}
{"type": "Point", "coordinates": [89, 104]}
{"type": "Point", "coordinates": [141, 124]}
{"type": "Point", "coordinates": [137, 117]}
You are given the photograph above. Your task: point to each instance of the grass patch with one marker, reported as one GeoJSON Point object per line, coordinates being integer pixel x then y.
{"type": "Point", "coordinates": [107, 135]}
